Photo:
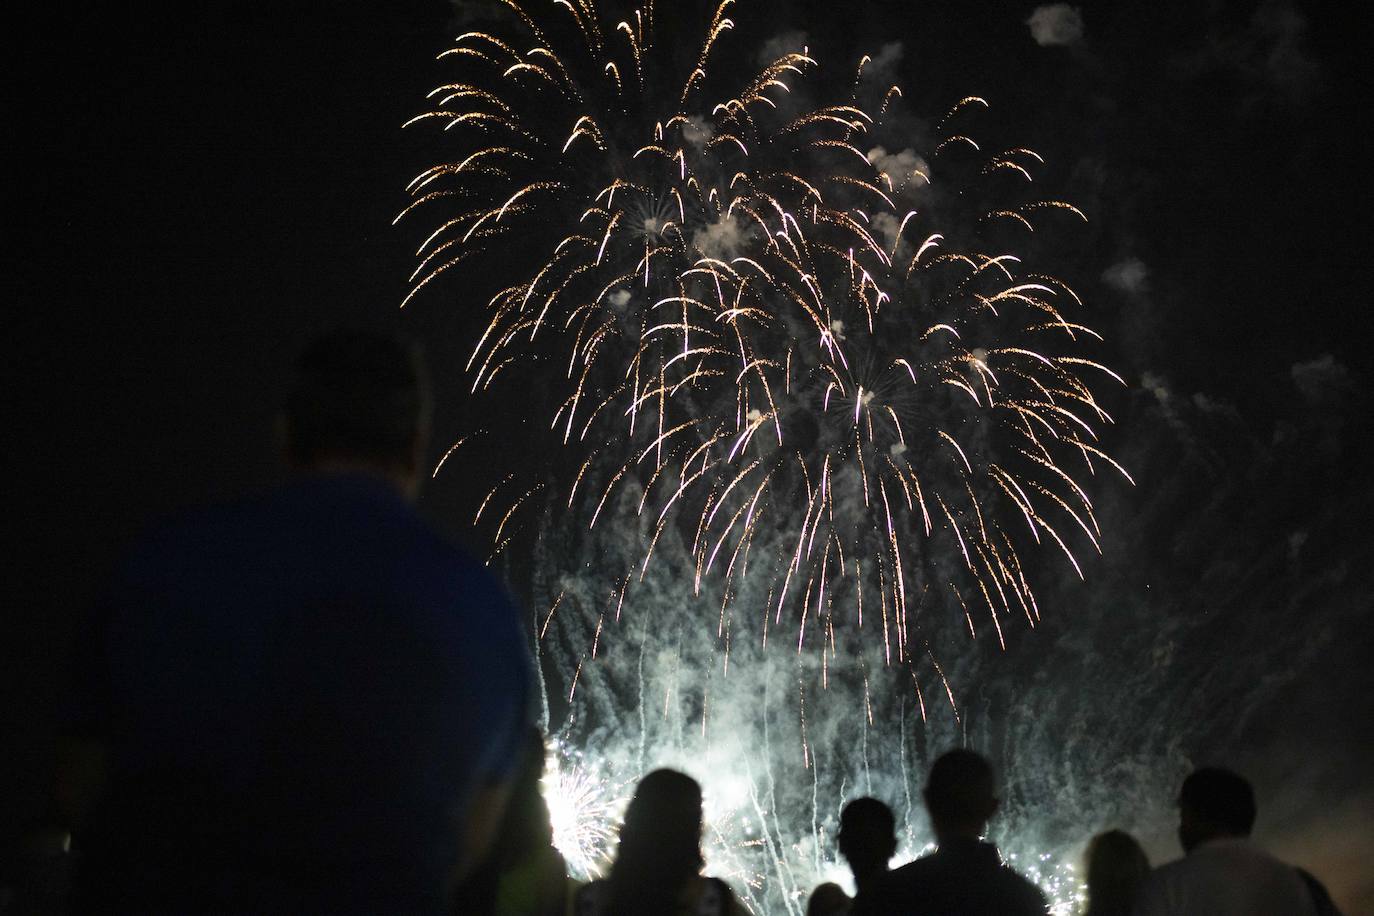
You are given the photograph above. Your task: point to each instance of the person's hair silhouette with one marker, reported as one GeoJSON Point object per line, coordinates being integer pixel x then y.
{"type": "Point", "coordinates": [660, 845]}
{"type": "Point", "coordinates": [1116, 868]}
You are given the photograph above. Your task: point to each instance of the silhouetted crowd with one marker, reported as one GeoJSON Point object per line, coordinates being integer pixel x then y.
{"type": "Point", "coordinates": [1221, 873]}
{"type": "Point", "coordinates": [308, 702]}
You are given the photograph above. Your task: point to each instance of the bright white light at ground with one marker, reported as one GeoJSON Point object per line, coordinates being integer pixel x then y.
{"type": "Point", "coordinates": [584, 810]}
{"type": "Point", "coordinates": [586, 804]}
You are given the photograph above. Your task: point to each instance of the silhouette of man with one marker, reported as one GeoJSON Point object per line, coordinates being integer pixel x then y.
{"type": "Point", "coordinates": [965, 876]}
{"type": "Point", "coordinates": [304, 701]}
{"type": "Point", "coordinates": [1222, 872]}
{"type": "Point", "coordinates": [868, 840]}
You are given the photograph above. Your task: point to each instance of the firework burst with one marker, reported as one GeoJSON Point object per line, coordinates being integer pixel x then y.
{"type": "Point", "coordinates": [755, 318]}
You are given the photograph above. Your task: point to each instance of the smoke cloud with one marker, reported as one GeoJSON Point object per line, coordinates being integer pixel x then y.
{"type": "Point", "coordinates": [1322, 378]}
{"type": "Point", "coordinates": [883, 65]}
{"type": "Point", "coordinates": [1056, 24]}
{"type": "Point", "coordinates": [1130, 276]}
{"type": "Point", "coordinates": [723, 240]}
{"type": "Point", "coordinates": [902, 168]}
{"type": "Point", "coordinates": [1271, 52]}
{"type": "Point", "coordinates": [790, 42]}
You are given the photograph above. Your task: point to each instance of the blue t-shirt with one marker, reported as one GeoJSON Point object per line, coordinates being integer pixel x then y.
{"type": "Point", "coordinates": [302, 693]}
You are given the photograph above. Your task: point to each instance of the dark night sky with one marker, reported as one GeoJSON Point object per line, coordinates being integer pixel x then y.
{"type": "Point", "coordinates": [197, 194]}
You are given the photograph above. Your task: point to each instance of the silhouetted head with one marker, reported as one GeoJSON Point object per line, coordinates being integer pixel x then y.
{"type": "Point", "coordinates": [358, 401]}
{"type": "Point", "coordinates": [827, 899]}
{"type": "Point", "coordinates": [1214, 802]}
{"type": "Point", "coordinates": [1116, 867]}
{"type": "Point", "coordinates": [660, 844]}
{"type": "Point", "coordinates": [960, 794]}
{"type": "Point", "coordinates": [868, 837]}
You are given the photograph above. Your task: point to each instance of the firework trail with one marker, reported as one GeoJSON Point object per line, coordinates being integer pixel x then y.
{"type": "Point", "coordinates": [809, 382]}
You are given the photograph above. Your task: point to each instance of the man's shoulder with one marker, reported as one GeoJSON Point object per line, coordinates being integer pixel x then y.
{"type": "Point", "coordinates": [1166, 882]}
{"type": "Point", "coordinates": [906, 882]}
{"type": "Point", "coordinates": [318, 523]}
{"type": "Point", "coordinates": [1171, 871]}
{"type": "Point", "coordinates": [1222, 856]}
{"type": "Point", "coordinates": [360, 512]}
{"type": "Point", "coordinates": [170, 544]}
{"type": "Point", "coordinates": [914, 869]}
{"type": "Point", "coordinates": [932, 875]}
{"type": "Point", "coordinates": [1025, 893]}
{"type": "Point", "coordinates": [1236, 872]}
{"type": "Point", "coordinates": [209, 524]}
